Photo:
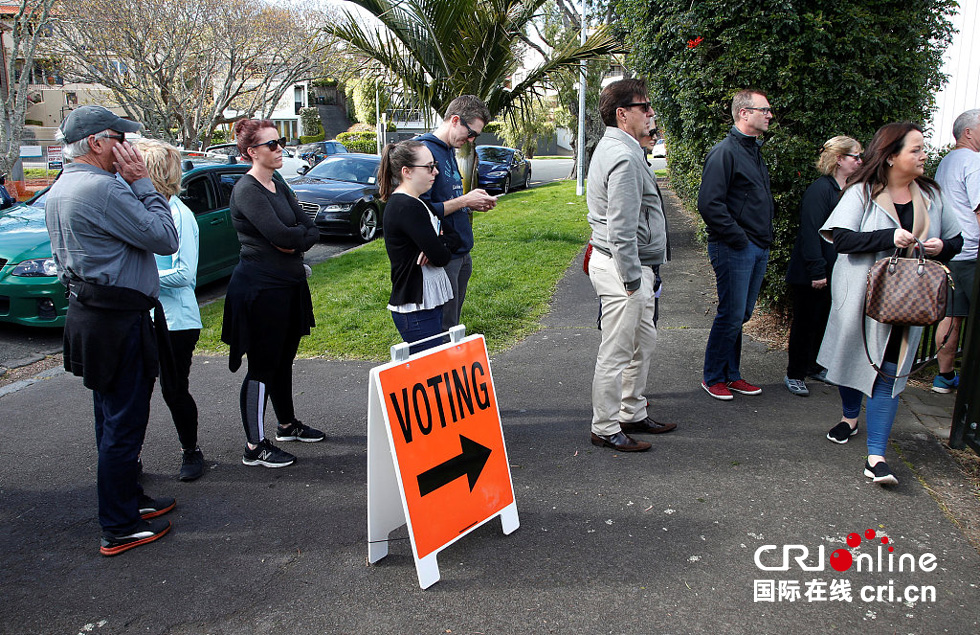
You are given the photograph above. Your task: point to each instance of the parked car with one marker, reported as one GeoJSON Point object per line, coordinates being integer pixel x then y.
{"type": "Point", "coordinates": [31, 295]}
{"type": "Point", "coordinates": [317, 151]}
{"type": "Point", "coordinates": [502, 168]}
{"type": "Point", "coordinates": [340, 194]}
{"type": "Point", "coordinates": [659, 149]}
{"type": "Point", "coordinates": [292, 164]}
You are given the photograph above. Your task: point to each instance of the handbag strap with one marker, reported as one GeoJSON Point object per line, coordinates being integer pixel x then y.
{"type": "Point", "coordinates": [864, 336]}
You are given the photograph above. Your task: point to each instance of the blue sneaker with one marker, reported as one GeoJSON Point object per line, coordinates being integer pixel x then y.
{"type": "Point", "coordinates": [943, 386]}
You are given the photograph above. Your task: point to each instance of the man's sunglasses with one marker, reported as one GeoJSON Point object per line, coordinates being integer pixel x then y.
{"type": "Point", "coordinates": [472, 134]}
{"type": "Point", "coordinates": [272, 144]}
{"type": "Point", "coordinates": [644, 105]}
{"type": "Point", "coordinates": [431, 167]}
{"type": "Point", "coordinates": [121, 137]}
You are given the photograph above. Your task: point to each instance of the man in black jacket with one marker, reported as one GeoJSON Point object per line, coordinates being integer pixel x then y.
{"type": "Point", "coordinates": [736, 203]}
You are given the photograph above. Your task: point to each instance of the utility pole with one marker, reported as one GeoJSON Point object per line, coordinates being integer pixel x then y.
{"type": "Point", "coordinates": [580, 181]}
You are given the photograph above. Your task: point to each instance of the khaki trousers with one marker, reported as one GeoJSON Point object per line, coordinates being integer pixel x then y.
{"type": "Point", "coordinates": [629, 339]}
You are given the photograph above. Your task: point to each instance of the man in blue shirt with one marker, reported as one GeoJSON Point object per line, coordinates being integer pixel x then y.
{"type": "Point", "coordinates": [464, 120]}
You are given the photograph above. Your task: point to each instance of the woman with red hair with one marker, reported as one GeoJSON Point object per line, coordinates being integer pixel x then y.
{"type": "Point", "coordinates": [268, 306]}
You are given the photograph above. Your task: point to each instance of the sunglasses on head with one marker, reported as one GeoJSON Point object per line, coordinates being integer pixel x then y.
{"type": "Point", "coordinates": [272, 144]}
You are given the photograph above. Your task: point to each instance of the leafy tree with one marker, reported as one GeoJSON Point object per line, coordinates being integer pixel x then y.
{"type": "Point", "coordinates": [437, 50]}
{"type": "Point", "coordinates": [178, 66]}
{"type": "Point", "coordinates": [310, 117]}
{"type": "Point", "coordinates": [363, 95]}
{"type": "Point", "coordinates": [27, 28]}
{"type": "Point", "coordinates": [523, 132]}
{"type": "Point", "coordinates": [829, 68]}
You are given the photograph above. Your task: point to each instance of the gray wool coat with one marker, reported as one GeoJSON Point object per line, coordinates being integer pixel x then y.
{"type": "Point", "coordinates": [842, 350]}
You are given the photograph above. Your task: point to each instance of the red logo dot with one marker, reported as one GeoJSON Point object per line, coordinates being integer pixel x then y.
{"type": "Point", "coordinates": [890, 549]}
{"type": "Point", "coordinates": [870, 534]}
{"type": "Point", "coordinates": [853, 540]}
{"type": "Point", "coordinates": [884, 540]}
{"type": "Point", "coordinates": [841, 560]}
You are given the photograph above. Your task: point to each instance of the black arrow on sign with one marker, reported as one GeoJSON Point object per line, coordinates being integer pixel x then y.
{"type": "Point", "coordinates": [469, 462]}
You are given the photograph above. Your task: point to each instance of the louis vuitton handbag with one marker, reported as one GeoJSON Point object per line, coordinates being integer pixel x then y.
{"type": "Point", "coordinates": [906, 291]}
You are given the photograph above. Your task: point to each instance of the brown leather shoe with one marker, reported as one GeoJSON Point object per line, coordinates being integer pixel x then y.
{"type": "Point", "coordinates": [647, 426]}
{"type": "Point", "coordinates": [619, 441]}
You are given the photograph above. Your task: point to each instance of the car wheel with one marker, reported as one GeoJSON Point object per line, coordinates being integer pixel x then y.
{"type": "Point", "coordinates": [367, 225]}
{"type": "Point", "coordinates": [527, 179]}
{"type": "Point", "coordinates": [506, 188]}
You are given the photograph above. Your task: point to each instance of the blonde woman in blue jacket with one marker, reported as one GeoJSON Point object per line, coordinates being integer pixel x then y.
{"type": "Point", "coordinates": [178, 279]}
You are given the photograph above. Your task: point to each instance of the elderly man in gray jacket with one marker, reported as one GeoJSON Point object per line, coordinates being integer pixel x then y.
{"type": "Point", "coordinates": [629, 242]}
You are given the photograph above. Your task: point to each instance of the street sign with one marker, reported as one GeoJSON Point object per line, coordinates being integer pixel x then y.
{"type": "Point", "coordinates": [54, 157]}
{"type": "Point", "coordinates": [436, 455]}
{"type": "Point", "coordinates": [30, 152]}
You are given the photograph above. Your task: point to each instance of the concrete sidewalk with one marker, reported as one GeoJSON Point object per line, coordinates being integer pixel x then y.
{"type": "Point", "coordinates": [660, 542]}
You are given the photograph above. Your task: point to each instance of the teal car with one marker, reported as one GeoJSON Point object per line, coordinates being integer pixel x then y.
{"type": "Point", "coordinates": [30, 293]}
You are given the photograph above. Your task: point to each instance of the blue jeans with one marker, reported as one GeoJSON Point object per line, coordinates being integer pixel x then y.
{"type": "Point", "coordinates": [738, 274]}
{"type": "Point", "coordinates": [120, 424]}
{"type": "Point", "coordinates": [419, 325]}
{"type": "Point", "coordinates": [881, 408]}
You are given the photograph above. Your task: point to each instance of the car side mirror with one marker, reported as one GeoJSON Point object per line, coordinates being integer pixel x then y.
{"type": "Point", "coordinates": [303, 169]}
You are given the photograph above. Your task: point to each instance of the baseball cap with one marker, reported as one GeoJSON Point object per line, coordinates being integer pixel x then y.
{"type": "Point", "coordinates": [89, 120]}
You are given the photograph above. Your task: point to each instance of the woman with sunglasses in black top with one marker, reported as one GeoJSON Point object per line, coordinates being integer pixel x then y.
{"type": "Point", "coordinates": [268, 306]}
{"type": "Point", "coordinates": [417, 247]}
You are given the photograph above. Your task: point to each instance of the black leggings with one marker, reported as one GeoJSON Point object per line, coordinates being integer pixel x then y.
{"type": "Point", "coordinates": [278, 387]}
{"type": "Point", "coordinates": [183, 410]}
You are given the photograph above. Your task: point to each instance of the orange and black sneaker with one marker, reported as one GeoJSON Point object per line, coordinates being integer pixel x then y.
{"type": "Point", "coordinates": [146, 532]}
{"type": "Point", "coordinates": [153, 507]}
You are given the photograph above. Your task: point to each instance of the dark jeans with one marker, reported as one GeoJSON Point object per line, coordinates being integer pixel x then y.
{"type": "Point", "coordinates": [810, 310]}
{"type": "Point", "coordinates": [738, 275]}
{"type": "Point", "coordinates": [120, 425]}
{"type": "Point", "coordinates": [459, 271]}
{"type": "Point", "coordinates": [183, 410]}
{"type": "Point", "coordinates": [419, 325]}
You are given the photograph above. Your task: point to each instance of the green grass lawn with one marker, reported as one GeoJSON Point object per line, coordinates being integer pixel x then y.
{"type": "Point", "coordinates": [522, 249]}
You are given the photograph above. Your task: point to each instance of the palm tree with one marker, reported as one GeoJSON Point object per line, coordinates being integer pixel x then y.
{"type": "Point", "coordinates": [437, 50]}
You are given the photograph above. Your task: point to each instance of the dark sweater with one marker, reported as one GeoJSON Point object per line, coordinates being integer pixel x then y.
{"type": "Point", "coordinates": [735, 199]}
{"type": "Point", "coordinates": [813, 258]}
{"type": "Point", "coordinates": [408, 232]}
{"type": "Point", "coordinates": [448, 185]}
{"type": "Point", "coordinates": [265, 220]}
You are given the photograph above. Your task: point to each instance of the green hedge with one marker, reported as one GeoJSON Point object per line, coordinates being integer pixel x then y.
{"type": "Point", "coordinates": [829, 68]}
{"type": "Point", "coordinates": [366, 142]}
{"type": "Point", "coordinates": [311, 138]}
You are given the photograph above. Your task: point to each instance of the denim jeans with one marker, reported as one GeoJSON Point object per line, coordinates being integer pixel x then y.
{"type": "Point", "coordinates": [459, 271]}
{"type": "Point", "coordinates": [419, 325]}
{"type": "Point", "coordinates": [738, 274]}
{"type": "Point", "coordinates": [880, 410]}
{"type": "Point", "coordinates": [121, 416]}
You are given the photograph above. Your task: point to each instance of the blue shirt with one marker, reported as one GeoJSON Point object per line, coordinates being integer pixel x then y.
{"type": "Point", "coordinates": [447, 186]}
{"type": "Point", "coordinates": [178, 272]}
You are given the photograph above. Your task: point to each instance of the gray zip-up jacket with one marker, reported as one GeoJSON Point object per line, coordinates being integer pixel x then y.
{"type": "Point", "coordinates": [625, 209]}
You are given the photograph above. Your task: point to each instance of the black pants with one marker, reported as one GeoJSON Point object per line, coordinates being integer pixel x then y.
{"type": "Point", "coordinates": [810, 310]}
{"type": "Point", "coordinates": [179, 400]}
{"type": "Point", "coordinates": [121, 416]}
{"type": "Point", "coordinates": [279, 389]}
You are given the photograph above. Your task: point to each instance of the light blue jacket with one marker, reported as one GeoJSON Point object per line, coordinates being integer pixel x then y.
{"type": "Point", "coordinates": [178, 273]}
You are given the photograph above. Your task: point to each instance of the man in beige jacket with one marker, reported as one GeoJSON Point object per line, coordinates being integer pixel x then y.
{"type": "Point", "coordinates": [629, 243]}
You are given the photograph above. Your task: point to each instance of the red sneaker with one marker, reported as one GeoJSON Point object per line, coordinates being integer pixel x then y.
{"type": "Point", "coordinates": [718, 391]}
{"type": "Point", "coordinates": [743, 387]}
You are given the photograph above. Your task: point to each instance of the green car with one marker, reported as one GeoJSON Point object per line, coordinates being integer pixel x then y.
{"type": "Point", "coordinates": [31, 295]}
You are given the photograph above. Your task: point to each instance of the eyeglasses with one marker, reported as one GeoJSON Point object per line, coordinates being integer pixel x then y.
{"type": "Point", "coordinates": [121, 137]}
{"type": "Point", "coordinates": [645, 105]}
{"type": "Point", "coordinates": [272, 144]}
{"type": "Point", "coordinates": [859, 156]}
{"type": "Point", "coordinates": [765, 111]}
{"type": "Point", "coordinates": [472, 134]}
{"type": "Point", "coordinates": [431, 167]}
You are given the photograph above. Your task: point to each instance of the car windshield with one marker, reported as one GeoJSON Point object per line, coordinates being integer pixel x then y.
{"type": "Point", "coordinates": [363, 170]}
{"type": "Point", "coordinates": [226, 150]}
{"type": "Point", "coordinates": [496, 155]}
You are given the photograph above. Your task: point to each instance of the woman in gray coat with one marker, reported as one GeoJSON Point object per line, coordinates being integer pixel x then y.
{"type": "Point", "coordinates": [888, 204]}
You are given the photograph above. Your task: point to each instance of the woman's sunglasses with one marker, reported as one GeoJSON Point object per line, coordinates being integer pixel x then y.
{"type": "Point", "coordinates": [272, 144]}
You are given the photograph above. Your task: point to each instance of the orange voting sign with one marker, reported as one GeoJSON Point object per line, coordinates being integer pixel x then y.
{"type": "Point", "coordinates": [446, 455]}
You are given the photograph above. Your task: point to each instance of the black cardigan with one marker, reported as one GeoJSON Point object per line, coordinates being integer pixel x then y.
{"type": "Point", "coordinates": [408, 231]}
